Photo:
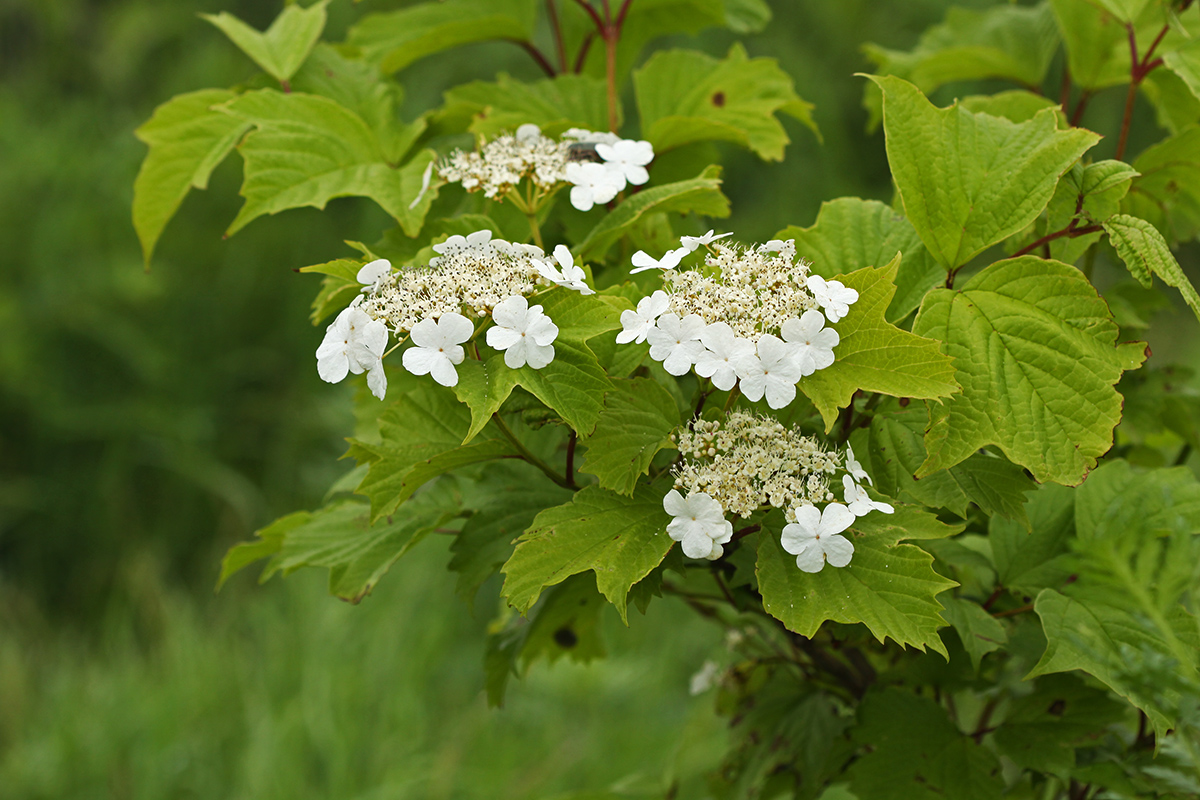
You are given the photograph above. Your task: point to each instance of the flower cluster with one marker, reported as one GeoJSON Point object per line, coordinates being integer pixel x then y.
{"type": "Point", "coordinates": [473, 276]}
{"type": "Point", "coordinates": [748, 316]}
{"type": "Point", "coordinates": [752, 461]}
{"type": "Point", "coordinates": [597, 165]}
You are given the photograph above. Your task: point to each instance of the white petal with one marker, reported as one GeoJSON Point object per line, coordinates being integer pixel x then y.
{"type": "Point", "coordinates": [373, 271]}
{"type": "Point", "coordinates": [538, 355]}
{"type": "Point", "coordinates": [333, 368]}
{"type": "Point", "coordinates": [444, 373]}
{"type": "Point", "coordinates": [377, 381]}
{"type": "Point", "coordinates": [838, 549]}
{"type": "Point", "coordinates": [515, 355]}
{"type": "Point", "coordinates": [511, 313]}
{"type": "Point", "coordinates": [780, 393]}
{"type": "Point", "coordinates": [420, 360]}
{"type": "Point", "coordinates": [674, 504]}
{"type": "Point", "coordinates": [581, 198]}
{"type": "Point", "coordinates": [563, 256]}
{"type": "Point", "coordinates": [499, 338]}
{"type": "Point", "coordinates": [455, 327]}
{"type": "Point", "coordinates": [835, 519]}
{"type": "Point", "coordinates": [811, 558]}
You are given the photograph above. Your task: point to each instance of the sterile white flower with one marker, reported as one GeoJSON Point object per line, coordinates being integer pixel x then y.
{"type": "Point", "coordinates": [690, 243]}
{"type": "Point", "coordinates": [676, 342]}
{"type": "Point", "coordinates": [670, 260]}
{"type": "Point", "coordinates": [726, 356]}
{"type": "Point", "coordinates": [571, 276]}
{"type": "Point", "coordinates": [811, 341]}
{"type": "Point", "coordinates": [593, 183]}
{"type": "Point", "coordinates": [774, 373]}
{"type": "Point", "coordinates": [372, 273]}
{"type": "Point", "coordinates": [855, 468]}
{"type": "Point", "coordinates": [704, 679]}
{"type": "Point", "coordinates": [438, 347]}
{"type": "Point", "coordinates": [524, 333]}
{"type": "Point", "coordinates": [528, 133]}
{"type": "Point", "coordinates": [457, 243]}
{"type": "Point", "coordinates": [354, 343]}
{"type": "Point", "coordinates": [833, 296]}
{"type": "Point", "coordinates": [638, 324]}
{"type": "Point", "coordinates": [815, 537]}
{"type": "Point", "coordinates": [859, 502]}
{"type": "Point", "coordinates": [699, 524]}
{"type": "Point", "coordinates": [628, 158]}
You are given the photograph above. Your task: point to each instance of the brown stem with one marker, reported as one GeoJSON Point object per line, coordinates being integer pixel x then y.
{"type": "Point", "coordinates": [992, 598]}
{"type": "Point", "coordinates": [583, 51]}
{"type": "Point", "coordinates": [541, 60]}
{"type": "Point", "coordinates": [599, 23]}
{"type": "Point", "coordinates": [574, 438]}
{"type": "Point", "coordinates": [746, 531]}
{"type": "Point", "coordinates": [1130, 96]}
{"type": "Point", "coordinates": [724, 589]}
{"type": "Point", "coordinates": [621, 14]}
{"type": "Point", "coordinates": [1070, 231]}
{"type": "Point", "coordinates": [982, 729]}
{"type": "Point", "coordinates": [1012, 612]}
{"type": "Point", "coordinates": [1078, 115]}
{"type": "Point", "coordinates": [552, 15]}
{"type": "Point", "coordinates": [611, 35]}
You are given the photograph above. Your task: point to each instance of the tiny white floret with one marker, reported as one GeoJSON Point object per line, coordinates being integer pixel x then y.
{"type": "Point", "coordinates": [637, 325]}
{"type": "Point", "coordinates": [523, 332]}
{"type": "Point", "coordinates": [699, 524]}
{"type": "Point", "coordinates": [833, 296]}
{"type": "Point", "coordinates": [811, 341]}
{"type": "Point", "coordinates": [438, 347]}
{"type": "Point", "coordinates": [815, 537]}
{"type": "Point", "coordinates": [690, 243]}
{"type": "Point", "coordinates": [859, 502]}
{"type": "Point", "coordinates": [676, 342]}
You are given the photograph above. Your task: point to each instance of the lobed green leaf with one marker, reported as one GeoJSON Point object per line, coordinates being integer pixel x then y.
{"type": "Point", "coordinates": [282, 48]}
{"type": "Point", "coordinates": [636, 423]}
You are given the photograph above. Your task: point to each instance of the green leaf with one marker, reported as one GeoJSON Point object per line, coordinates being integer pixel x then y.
{"type": "Point", "coordinates": [396, 39]}
{"type": "Point", "coordinates": [1124, 10]}
{"type": "Point", "coordinates": [486, 541]}
{"type": "Point", "coordinates": [1096, 44]}
{"type": "Point", "coordinates": [967, 180]}
{"type": "Point", "coordinates": [1041, 729]}
{"type": "Point", "coordinates": [1029, 559]}
{"type": "Point", "coordinates": [484, 385]}
{"type": "Point", "coordinates": [700, 195]}
{"type": "Point", "coordinates": [421, 438]}
{"type": "Point", "coordinates": [283, 47]}
{"type": "Point", "coordinates": [1008, 42]}
{"type": "Point", "coordinates": [358, 86]}
{"type": "Point", "coordinates": [894, 452]}
{"type": "Point", "coordinates": [267, 542]}
{"type": "Point", "coordinates": [917, 753]}
{"type": "Point", "coordinates": [1185, 62]}
{"type": "Point", "coordinates": [888, 586]}
{"type": "Point", "coordinates": [1167, 193]}
{"type": "Point", "coordinates": [622, 539]}
{"type": "Point", "coordinates": [636, 423]}
{"type": "Point", "coordinates": [1016, 105]}
{"type": "Point", "coordinates": [306, 150]}
{"type": "Point", "coordinates": [554, 104]}
{"type": "Point", "coordinates": [1034, 348]}
{"type": "Point", "coordinates": [979, 631]}
{"type": "Point", "coordinates": [747, 16]}
{"type": "Point", "coordinates": [565, 622]}
{"type": "Point", "coordinates": [1145, 252]}
{"type": "Point", "coordinates": [876, 356]}
{"type": "Point", "coordinates": [339, 286]}
{"type": "Point", "coordinates": [187, 140]}
{"type": "Point", "coordinates": [685, 96]}
{"type": "Point", "coordinates": [851, 233]}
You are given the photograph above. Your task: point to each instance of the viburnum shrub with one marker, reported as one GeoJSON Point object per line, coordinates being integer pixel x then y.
{"type": "Point", "coordinates": [910, 457]}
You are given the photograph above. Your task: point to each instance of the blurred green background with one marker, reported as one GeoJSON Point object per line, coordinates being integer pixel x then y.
{"type": "Point", "coordinates": [151, 420]}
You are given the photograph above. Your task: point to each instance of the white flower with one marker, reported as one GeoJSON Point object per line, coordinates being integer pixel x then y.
{"type": "Point", "coordinates": [774, 373]}
{"type": "Point", "coordinates": [638, 324]}
{"type": "Point", "coordinates": [643, 261]}
{"type": "Point", "coordinates": [523, 333]}
{"type": "Point", "coordinates": [699, 524]}
{"type": "Point", "coordinates": [690, 243]}
{"type": "Point", "coordinates": [354, 342]}
{"type": "Point", "coordinates": [855, 468]}
{"type": "Point", "coordinates": [859, 502]}
{"type": "Point", "coordinates": [833, 296]}
{"type": "Point", "coordinates": [815, 537]}
{"type": "Point", "coordinates": [726, 356]}
{"type": "Point", "coordinates": [478, 239]}
{"type": "Point", "coordinates": [438, 347]}
{"type": "Point", "coordinates": [704, 679]}
{"type": "Point", "coordinates": [571, 276]}
{"type": "Point", "coordinates": [594, 183]}
{"type": "Point", "coordinates": [628, 158]}
{"type": "Point", "coordinates": [528, 133]}
{"type": "Point", "coordinates": [811, 341]}
{"type": "Point", "coordinates": [676, 342]}
{"type": "Point", "coordinates": [374, 272]}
